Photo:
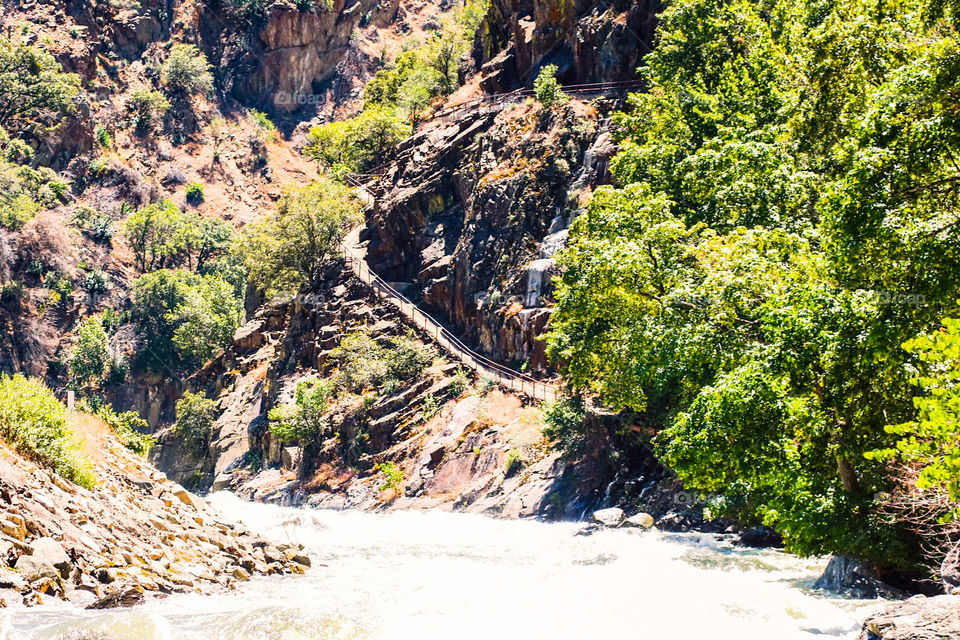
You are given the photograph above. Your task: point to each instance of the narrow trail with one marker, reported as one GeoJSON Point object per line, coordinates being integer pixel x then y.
{"type": "Point", "coordinates": [524, 384]}
{"type": "Point", "coordinates": [356, 260]}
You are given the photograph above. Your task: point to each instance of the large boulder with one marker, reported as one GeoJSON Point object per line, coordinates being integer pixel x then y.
{"type": "Point", "coordinates": [611, 517]}
{"type": "Point", "coordinates": [918, 618]}
{"type": "Point", "coordinates": [49, 551]}
{"type": "Point", "coordinates": [640, 521]}
{"type": "Point", "coordinates": [855, 579]}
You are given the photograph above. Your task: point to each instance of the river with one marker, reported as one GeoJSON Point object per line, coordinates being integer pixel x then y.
{"type": "Point", "coordinates": [426, 575]}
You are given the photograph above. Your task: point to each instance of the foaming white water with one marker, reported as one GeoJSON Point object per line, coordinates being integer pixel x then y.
{"type": "Point", "coordinates": [440, 575]}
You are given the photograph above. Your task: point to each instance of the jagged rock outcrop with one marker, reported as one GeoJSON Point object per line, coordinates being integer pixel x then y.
{"type": "Point", "coordinates": [134, 533]}
{"type": "Point", "coordinates": [473, 212]}
{"type": "Point", "coordinates": [589, 42]}
{"type": "Point", "coordinates": [296, 52]}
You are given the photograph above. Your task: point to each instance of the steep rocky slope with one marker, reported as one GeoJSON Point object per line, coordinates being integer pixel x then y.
{"type": "Point", "coordinates": [473, 210]}
{"type": "Point", "coordinates": [134, 533]}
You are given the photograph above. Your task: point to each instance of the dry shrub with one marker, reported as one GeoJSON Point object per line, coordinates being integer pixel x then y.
{"type": "Point", "coordinates": [45, 238]}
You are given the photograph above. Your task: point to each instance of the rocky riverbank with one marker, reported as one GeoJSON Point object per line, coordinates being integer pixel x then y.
{"type": "Point", "coordinates": [135, 534]}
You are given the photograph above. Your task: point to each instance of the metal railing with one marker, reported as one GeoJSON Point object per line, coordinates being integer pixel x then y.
{"type": "Point", "coordinates": [536, 389]}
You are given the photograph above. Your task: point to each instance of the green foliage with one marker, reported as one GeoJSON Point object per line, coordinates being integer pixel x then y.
{"type": "Point", "coordinates": [35, 90]}
{"type": "Point", "coordinates": [363, 362]}
{"type": "Point", "coordinates": [262, 120]}
{"type": "Point", "coordinates": [194, 193]}
{"type": "Point", "coordinates": [301, 421]}
{"type": "Point", "coordinates": [34, 422]}
{"type": "Point", "coordinates": [785, 219]}
{"type": "Point", "coordinates": [102, 135]}
{"type": "Point", "coordinates": [289, 249]}
{"type": "Point", "coordinates": [195, 417]}
{"type": "Point", "coordinates": [563, 421]}
{"type": "Point", "coordinates": [182, 319]}
{"type": "Point", "coordinates": [513, 463]}
{"type": "Point", "coordinates": [429, 406]}
{"type": "Point", "coordinates": [186, 71]}
{"type": "Point", "coordinates": [128, 426]}
{"type": "Point", "coordinates": [162, 236]}
{"type": "Point", "coordinates": [393, 476]}
{"type": "Point", "coordinates": [428, 69]}
{"type": "Point", "coordinates": [90, 359]}
{"type": "Point", "coordinates": [143, 106]}
{"type": "Point", "coordinates": [931, 441]}
{"type": "Point", "coordinates": [460, 382]}
{"type": "Point", "coordinates": [96, 226]}
{"type": "Point", "coordinates": [25, 191]}
{"type": "Point", "coordinates": [546, 88]}
{"type": "Point", "coordinates": [359, 143]}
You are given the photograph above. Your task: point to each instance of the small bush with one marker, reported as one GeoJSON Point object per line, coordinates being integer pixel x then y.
{"type": "Point", "coordinates": [97, 167]}
{"type": "Point", "coordinates": [34, 423]}
{"type": "Point", "coordinates": [563, 421]}
{"type": "Point", "coordinates": [262, 120]}
{"type": "Point", "coordinates": [129, 427]}
{"type": "Point", "coordinates": [392, 476]}
{"type": "Point", "coordinates": [143, 106]}
{"type": "Point", "coordinates": [194, 193]}
{"type": "Point", "coordinates": [95, 282]}
{"type": "Point", "coordinates": [301, 421]}
{"type": "Point", "coordinates": [103, 136]}
{"type": "Point", "coordinates": [195, 417]}
{"type": "Point", "coordinates": [459, 383]}
{"type": "Point", "coordinates": [186, 71]}
{"type": "Point", "coordinates": [407, 357]}
{"type": "Point", "coordinates": [547, 89]}
{"type": "Point", "coordinates": [513, 463]}
{"type": "Point", "coordinates": [429, 406]}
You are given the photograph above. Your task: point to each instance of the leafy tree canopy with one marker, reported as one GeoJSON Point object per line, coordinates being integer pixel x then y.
{"type": "Point", "coordinates": [785, 217]}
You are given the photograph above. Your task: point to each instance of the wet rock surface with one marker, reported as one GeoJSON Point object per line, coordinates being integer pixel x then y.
{"type": "Point", "coordinates": [136, 534]}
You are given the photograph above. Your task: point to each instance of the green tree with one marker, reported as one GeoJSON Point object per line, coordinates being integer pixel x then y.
{"type": "Point", "coordinates": [932, 441]}
{"type": "Point", "coordinates": [186, 71]}
{"type": "Point", "coordinates": [784, 184]}
{"type": "Point", "coordinates": [154, 234]}
{"type": "Point", "coordinates": [360, 142]}
{"type": "Point", "coordinates": [35, 90]}
{"type": "Point", "coordinates": [288, 249]}
{"type": "Point", "coordinates": [182, 319]}
{"type": "Point", "coordinates": [195, 417]}
{"type": "Point", "coordinates": [90, 360]}
{"type": "Point", "coordinates": [547, 89]}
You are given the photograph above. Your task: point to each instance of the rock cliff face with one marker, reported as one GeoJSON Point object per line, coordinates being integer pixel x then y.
{"type": "Point", "coordinates": [135, 533]}
{"type": "Point", "coordinates": [288, 61]}
{"type": "Point", "coordinates": [473, 211]}
{"type": "Point", "coordinates": [588, 41]}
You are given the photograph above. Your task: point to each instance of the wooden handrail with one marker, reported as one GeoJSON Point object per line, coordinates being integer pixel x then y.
{"type": "Point", "coordinates": [484, 366]}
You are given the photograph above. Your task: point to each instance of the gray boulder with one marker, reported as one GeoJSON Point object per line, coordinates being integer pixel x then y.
{"type": "Point", "coordinates": [33, 568]}
{"type": "Point", "coordinates": [611, 517]}
{"type": "Point", "coordinates": [51, 552]}
{"type": "Point", "coordinates": [640, 521]}
{"type": "Point", "coordinates": [918, 618]}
